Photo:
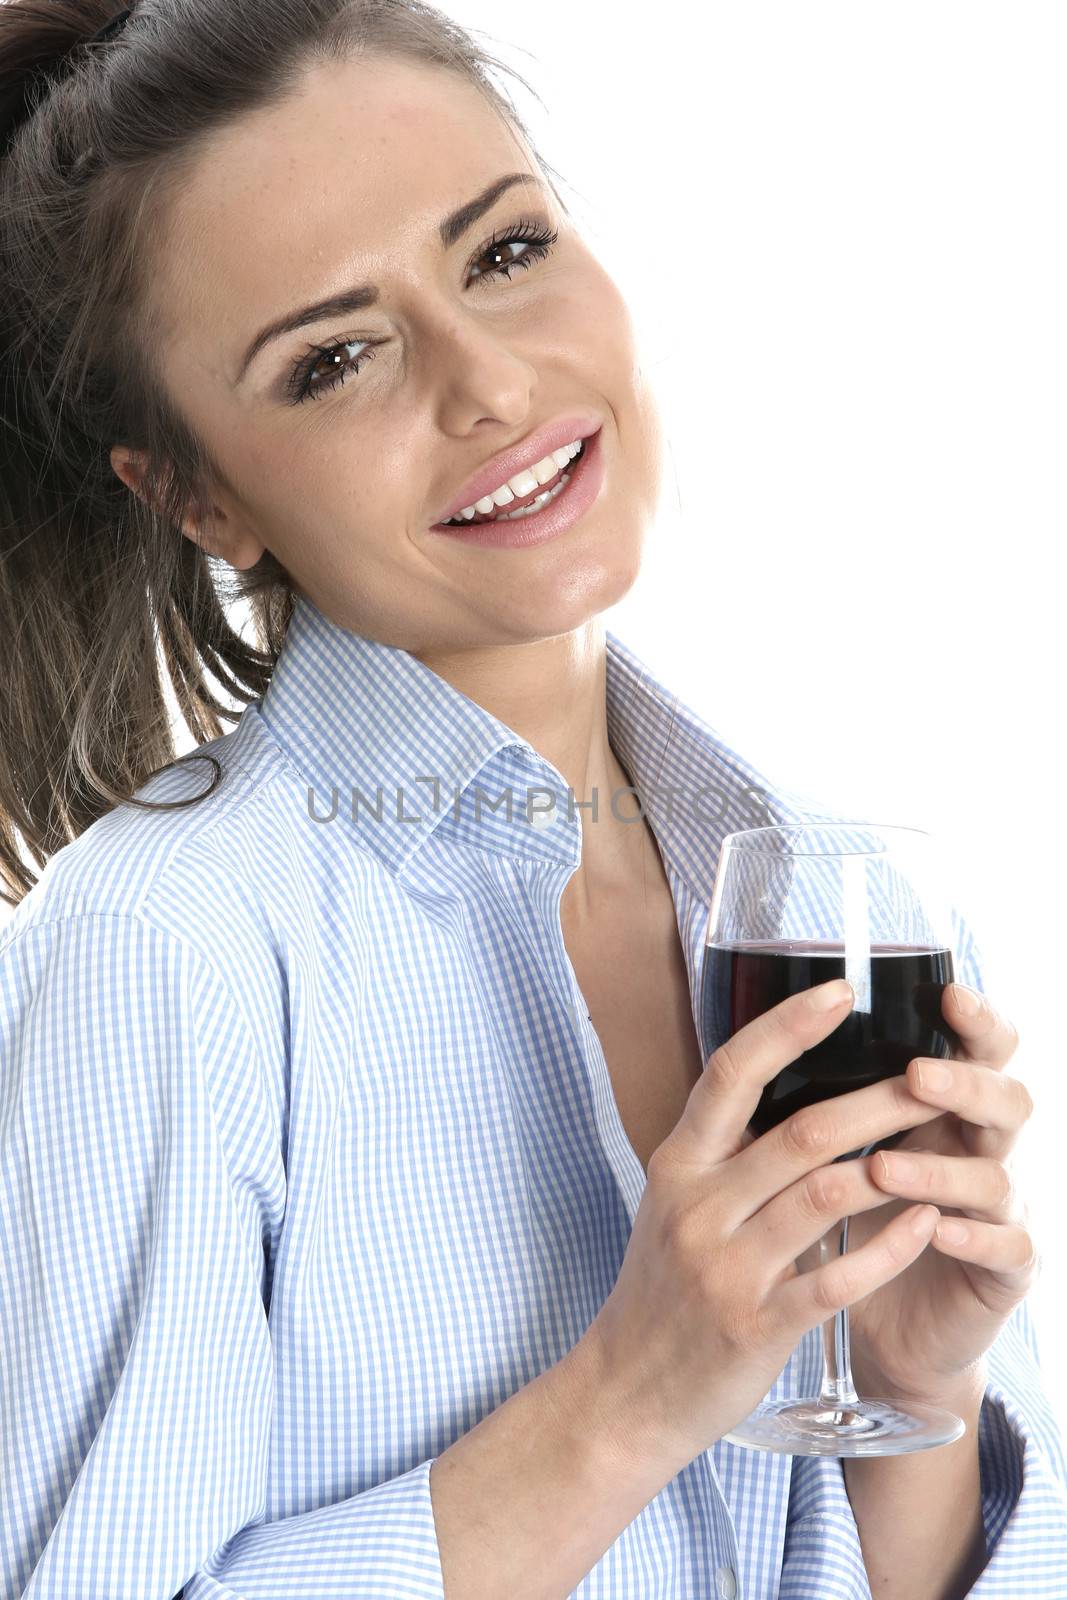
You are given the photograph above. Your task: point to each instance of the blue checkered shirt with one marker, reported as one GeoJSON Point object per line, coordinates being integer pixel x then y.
{"type": "Point", "coordinates": [309, 1158]}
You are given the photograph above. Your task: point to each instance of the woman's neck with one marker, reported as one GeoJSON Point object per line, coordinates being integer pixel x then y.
{"type": "Point", "coordinates": [553, 693]}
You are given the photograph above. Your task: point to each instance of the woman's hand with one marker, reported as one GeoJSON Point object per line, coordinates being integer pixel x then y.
{"type": "Point", "coordinates": [708, 1303]}
{"type": "Point", "coordinates": [923, 1334]}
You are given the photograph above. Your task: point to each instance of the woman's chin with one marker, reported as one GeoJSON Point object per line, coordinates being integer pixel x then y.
{"type": "Point", "coordinates": [567, 595]}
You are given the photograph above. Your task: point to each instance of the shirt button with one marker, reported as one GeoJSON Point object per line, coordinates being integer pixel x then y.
{"type": "Point", "coordinates": [726, 1583]}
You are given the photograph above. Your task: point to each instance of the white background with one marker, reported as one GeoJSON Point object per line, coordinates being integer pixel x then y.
{"type": "Point", "coordinates": [841, 232]}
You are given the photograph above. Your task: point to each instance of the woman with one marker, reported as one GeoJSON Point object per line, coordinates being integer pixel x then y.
{"type": "Point", "coordinates": [335, 1259]}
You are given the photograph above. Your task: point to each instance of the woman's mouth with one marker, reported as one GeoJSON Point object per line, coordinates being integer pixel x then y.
{"type": "Point", "coordinates": [525, 505]}
{"type": "Point", "coordinates": [544, 512]}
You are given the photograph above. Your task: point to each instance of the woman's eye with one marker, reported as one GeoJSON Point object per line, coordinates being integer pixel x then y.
{"type": "Point", "coordinates": [303, 381]}
{"type": "Point", "coordinates": [535, 248]}
{"type": "Point", "coordinates": [537, 242]}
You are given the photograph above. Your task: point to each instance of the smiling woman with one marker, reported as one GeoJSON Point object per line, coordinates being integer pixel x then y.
{"type": "Point", "coordinates": [370, 1224]}
{"type": "Point", "coordinates": [215, 218]}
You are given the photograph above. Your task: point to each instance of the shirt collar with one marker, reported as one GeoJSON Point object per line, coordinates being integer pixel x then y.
{"type": "Point", "coordinates": [356, 716]}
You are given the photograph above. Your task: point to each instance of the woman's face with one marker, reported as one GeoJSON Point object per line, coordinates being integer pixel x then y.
{"type": "Point", "coordinates": [346, 183]}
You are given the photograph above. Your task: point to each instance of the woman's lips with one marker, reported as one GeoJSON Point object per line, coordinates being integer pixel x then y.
{"type": "Point", "coordinates": [519, 457]}
{"type": "Point", "coordinates": [517, 504]}
{"type": "Point", "coordinates": [578, 496]}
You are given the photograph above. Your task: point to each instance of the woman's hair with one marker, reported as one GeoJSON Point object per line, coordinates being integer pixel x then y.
{"type": "Point", "coordinates": [103, 600]}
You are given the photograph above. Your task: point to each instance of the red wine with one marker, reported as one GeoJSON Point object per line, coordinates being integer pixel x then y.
{"type": "Point", "coordinates": [742, 980]}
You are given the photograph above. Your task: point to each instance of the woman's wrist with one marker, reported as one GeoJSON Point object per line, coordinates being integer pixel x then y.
{"type": "Point", "coordinates": [962, 1392]}
{"type": "Point", "coordinates": [962, 1395]}
{"type": "Point", "coordinates": [527, 1502]}
{"type": "Point", "coordinates": [588, 1388]}
{"type": "Point", "coordinates": [936, 1495]}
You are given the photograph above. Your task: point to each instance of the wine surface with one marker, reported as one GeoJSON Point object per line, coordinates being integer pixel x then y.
{"type": "Point", "coordinates": [742, 980]}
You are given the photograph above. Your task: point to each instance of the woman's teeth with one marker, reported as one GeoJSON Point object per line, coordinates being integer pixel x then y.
{"type": "Point", "coordinates": [535, 505]}
{"type": "Point", "coordinates": [488, 509]}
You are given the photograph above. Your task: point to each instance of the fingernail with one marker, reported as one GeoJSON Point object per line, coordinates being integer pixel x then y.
{"type": "Point", "coordinates": [920, 1222]}
{"type": "Point", "coordinates": [933, 1075]}
{"type": "Point", "coordinates": [828, 995]}
{"type": "Point", "coordinates": [899, 1168]}
{"type": "Point", "coordinates": [951, 1231]}
{"type": "Point", "coordinates": [966, 999]}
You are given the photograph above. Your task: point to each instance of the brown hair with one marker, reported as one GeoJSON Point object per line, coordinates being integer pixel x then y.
{"type": "Point", "coordinates": [103, 600]}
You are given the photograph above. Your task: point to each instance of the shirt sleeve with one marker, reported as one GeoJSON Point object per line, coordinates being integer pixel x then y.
{"type": "Point", "coordinates": [1023, 1472]}
{"type": "Point", "coordinates": [140, 1169]}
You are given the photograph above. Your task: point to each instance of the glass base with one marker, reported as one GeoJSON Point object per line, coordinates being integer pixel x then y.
{"type": "Point", "coordinates": [866, 1428]}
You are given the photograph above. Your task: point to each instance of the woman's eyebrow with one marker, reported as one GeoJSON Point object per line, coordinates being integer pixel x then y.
{"type": "Point", "coordinates": [356, 298]}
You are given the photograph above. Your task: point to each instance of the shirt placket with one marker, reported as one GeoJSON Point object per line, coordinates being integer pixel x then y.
{"type": "Point", "coordinates": [725, 1571]}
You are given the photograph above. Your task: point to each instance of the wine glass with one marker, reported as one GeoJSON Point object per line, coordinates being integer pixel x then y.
{"type": "Point", "coordinates": [794, 906]}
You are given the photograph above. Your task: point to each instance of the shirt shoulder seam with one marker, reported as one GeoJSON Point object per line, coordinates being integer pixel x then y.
{"type": "Point", "coordinates": [136, 916]}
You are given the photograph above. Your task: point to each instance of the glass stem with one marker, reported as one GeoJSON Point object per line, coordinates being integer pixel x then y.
{"type": "Point", "coordinates": [837, 1387]}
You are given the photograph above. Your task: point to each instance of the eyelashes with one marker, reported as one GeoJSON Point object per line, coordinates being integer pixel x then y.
{"type": "Point", "coordinates": [302, 384]}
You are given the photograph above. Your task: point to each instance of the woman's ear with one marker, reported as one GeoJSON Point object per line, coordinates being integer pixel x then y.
{"type": "Point", "coordinates": [217, 533]}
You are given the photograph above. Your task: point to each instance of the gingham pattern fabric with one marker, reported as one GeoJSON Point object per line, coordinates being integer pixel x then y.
{"type": "Point", "coordinates": [309, 1158]}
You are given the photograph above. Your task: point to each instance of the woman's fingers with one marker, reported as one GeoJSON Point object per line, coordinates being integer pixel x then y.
{"type": "Point", "coordinates": [1004, 1249]}
{"type": "Point", "coordinates": [979, 1185]}
{"type": "Point", "coordinates": [993, 1231]}
{"type": "Point", "coordinates": [802, 1214]}
{"type": "Point", "coordinates": [818, 1135]}
{"type": "Point", "coordinates": [994, 1106]}
{"type": "Point", "coordinates": [986, 1036]}
{"type": "Point", "coordinates": [722, 1100]}
{"type": "Point", "coordinates": [810, 1297]}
